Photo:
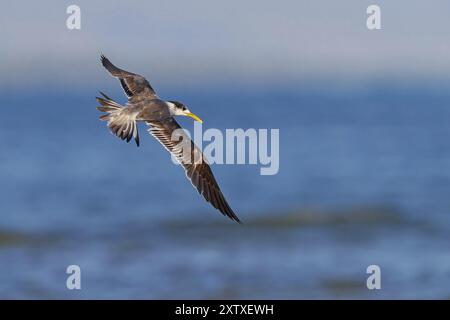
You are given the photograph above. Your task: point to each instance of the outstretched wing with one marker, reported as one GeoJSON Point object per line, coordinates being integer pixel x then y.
{"type": "Point", "coordinates": [133, 84]}
{"type": "Point", "coordinates": [197, 169]}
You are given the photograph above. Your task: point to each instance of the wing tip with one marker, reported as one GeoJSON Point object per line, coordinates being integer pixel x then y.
{"type": "Point", "coordinates": [230, 214]}
{"type": "Point", "coordinates": [225, 208]}
{"type": "Point", "coordinates": [105, 62]}
{"type": "Point", "coordinates": [236, 219]}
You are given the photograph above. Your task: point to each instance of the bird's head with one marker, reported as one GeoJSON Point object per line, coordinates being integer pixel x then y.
{"type": "Point", "coordinates": [177, 108]}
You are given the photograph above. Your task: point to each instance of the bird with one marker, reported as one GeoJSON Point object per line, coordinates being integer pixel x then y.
{"type": "Point", "coordinates": [144, 105]}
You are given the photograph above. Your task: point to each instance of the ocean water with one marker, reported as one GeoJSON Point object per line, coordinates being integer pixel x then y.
{"type": "Point", "coordinates": [364, 180]}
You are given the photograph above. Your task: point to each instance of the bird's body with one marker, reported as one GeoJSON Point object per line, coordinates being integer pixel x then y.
{"type": "Point", "coordinates": [144, 105]}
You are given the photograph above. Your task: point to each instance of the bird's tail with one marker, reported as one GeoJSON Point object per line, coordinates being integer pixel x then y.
{"type": "Point", "coordinates": [121, 121]}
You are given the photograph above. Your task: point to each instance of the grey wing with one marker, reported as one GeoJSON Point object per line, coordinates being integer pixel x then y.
{"type": "Point", "coordinates": [197, 169]}
{"type": "Point", "coordinates": [133, 84]}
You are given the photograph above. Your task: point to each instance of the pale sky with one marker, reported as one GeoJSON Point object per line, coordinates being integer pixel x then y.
{"type": "Point", "coordinates": [202, 40]}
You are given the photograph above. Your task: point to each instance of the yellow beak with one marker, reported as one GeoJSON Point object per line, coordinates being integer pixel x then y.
{"type": "Point", "coordinates": [193, 116]}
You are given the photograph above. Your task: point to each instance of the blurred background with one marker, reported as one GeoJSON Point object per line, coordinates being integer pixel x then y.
{"type": "Point", "coordinates": [364, 151]}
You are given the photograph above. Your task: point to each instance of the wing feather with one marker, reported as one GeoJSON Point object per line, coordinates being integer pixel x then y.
{"type": "Point", "coordinates": [197, 168]}
{"type": "Point", "coordinates": [135, 86]}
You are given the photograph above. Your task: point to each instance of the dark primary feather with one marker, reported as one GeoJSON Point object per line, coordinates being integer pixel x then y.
{"type": "Point", "coordinates": [133, 84]}
{"type": "Point", "coordinates": [197, 169]}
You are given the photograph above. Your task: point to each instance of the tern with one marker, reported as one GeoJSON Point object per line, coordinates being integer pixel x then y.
{"type": "Point", "coordinates": [144, 105]}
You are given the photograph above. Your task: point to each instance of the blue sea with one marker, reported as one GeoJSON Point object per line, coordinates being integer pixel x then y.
{"type": "Point", "coordinates": [364, 180]}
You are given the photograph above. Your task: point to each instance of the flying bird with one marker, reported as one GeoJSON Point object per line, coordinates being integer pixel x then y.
{"type": "Point", "coordinates": [144, 105]}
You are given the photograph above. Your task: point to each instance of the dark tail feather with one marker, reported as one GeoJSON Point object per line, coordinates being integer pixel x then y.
{"type": "Point", "coordinates": [121, 122]}
{"type": "Point", "coordinates": [108, 104]}
{"type": "Point", "coordinates": [105, 96]}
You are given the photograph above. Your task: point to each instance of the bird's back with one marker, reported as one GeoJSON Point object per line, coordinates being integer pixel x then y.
{"type": "Point", "coordinates": [151, 109]}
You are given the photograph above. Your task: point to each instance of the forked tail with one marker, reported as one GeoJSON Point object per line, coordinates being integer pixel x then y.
{"type": "Point", "coordinates": [121, 121]}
